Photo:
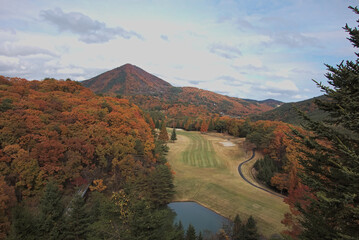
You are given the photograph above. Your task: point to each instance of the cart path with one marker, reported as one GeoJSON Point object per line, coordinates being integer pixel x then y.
{"type": "Point", "coordinates": [245, 179]}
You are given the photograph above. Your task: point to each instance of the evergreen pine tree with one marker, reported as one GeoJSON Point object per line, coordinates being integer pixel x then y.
{"type": "Point", "coordinates": [157, 124]}
{"type": "Point", "coordinates": [179, 235]}
{"type": "Point", "coordinates": [161, 186]}
{"type": "Point", "coordinates": [251, 229]}
{"type": "Point", "coordinates": [237, 228]}
{"type": "Point", "coordinates": [174, 135]}
{"type": "Point", "coordinates": [211, 125]}
{"type": "Point", "coordinates": [191, 233]}
{"type": "Point", "coordinates": [104, 215]}
{"type": "Point", "coordinates": [199, 237]}
{"type": "Point", "coordinates": [51, 211]}
{"type": "Point", "coordinates": [77, 220]}
{"type": "Point", "coordinates": [331, 167]}
{"type": "Point", "coordinates": [149, 223]}
{"type": "Point", "coordinates": [23, 225]}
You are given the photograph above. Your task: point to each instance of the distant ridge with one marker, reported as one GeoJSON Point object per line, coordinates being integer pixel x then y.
{"type": "Point", "coordinates": [153, 93]}
{"type": "Point", "coordinates": [287, 112]}
{"type": "Point", "coordinates": [270, 102]}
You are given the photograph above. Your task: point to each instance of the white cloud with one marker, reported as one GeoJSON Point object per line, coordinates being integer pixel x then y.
{"type": "Point", "coordinates": [8, 63]}
{"type": "Point", "coordinates": [292, 40]}
{"type": "Point", "coordinates": [71, 71]}
{"type": "Point", "coordinates": [9, 60]}
{"type": "Point", "coordinates": [225, 51]}
{"type": "Point", "coordinates": [13, 50]}
{"type": "Point", "coordinates": [285, 85]}
{"type": "Point", "coordinates": [299, 96]}
{"type": "Point", "coordinates": [89, 30]}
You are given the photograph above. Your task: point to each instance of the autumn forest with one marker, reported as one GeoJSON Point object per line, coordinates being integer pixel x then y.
{"type": "Point", "coordinates": [88, 160]}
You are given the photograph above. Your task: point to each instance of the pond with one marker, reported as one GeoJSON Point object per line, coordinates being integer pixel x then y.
{"type": "Point", "coordinates": [203, 219]}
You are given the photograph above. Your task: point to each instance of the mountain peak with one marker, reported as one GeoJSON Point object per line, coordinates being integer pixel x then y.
{"type": "Point", "coordinates": [128, 80]}
{"type": "Point", "coordinates": [128, 66]}
{"type": "Point", "coordinates": [151, 92]}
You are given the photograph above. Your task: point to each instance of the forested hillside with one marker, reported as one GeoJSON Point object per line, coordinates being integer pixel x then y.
{"type": "Point", "coordinates": [57, 136]}
{"type": "Point", "coordinates": [288, 112]}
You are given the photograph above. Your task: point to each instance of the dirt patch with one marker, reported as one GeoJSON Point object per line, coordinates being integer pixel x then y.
{"type": "Point", "coordinates": [228, 144]}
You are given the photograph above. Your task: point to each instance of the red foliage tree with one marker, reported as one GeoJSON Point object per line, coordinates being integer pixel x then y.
{"type": "Point", "coordinates": [204, 127]}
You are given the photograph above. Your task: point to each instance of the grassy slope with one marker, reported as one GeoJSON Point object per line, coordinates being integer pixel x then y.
{"type": "Point", "coordinates": [206, 172]}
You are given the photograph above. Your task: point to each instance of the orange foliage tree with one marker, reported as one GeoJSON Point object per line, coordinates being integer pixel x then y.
{"type": "Point", "coordinates": [62, 131]}
{"type": "Point", "coordinates": [163, 134]}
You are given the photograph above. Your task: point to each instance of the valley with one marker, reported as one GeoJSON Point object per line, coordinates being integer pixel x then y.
{"type": "Point", "coordinates": [206, 171]}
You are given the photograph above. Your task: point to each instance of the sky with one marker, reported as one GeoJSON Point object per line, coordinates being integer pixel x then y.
{"type": "Point", "coordinates": [256, 49]}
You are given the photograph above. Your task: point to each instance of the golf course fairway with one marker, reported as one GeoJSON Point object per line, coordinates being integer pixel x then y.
{"type": "Point", "coordinates": [206, 171]}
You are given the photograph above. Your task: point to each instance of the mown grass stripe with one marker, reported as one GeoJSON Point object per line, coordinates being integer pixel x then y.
{"type": "Point", "coordinates": [207, 154]}
{"type": "Point", "coordinates": [203, 153]}
{"type": "Point", "coordinates": [200, 152]}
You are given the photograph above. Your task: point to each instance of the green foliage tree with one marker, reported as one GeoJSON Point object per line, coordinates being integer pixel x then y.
{"type": "Point", "coordinates": [6, 104]}
{"type": "Point", "coordinates": [220, 126]}
{"type": "Point", "coordinates": [161, 188]}
{"type": "Point", "coordinates": [200, 237]}
{"type": "Point", "coordinates": [105, 219]}
{"type": "Point", "coordinates": [161, 149]}
{"type": "Point", "coordinates": [237, 228]}
{"type": "Point", "coordinates": [139, 147]}
{"type": "Point", "coordinates": [179, 231]}
{"type": "Point", "coordinates": [157, 124]}
{"type": "Point", "coordinates": [23, 225]}
{"type": "Point", "coordinates": [149, 223]}
{"type": "Point", "coordinates": [245, 128]}
{"type": "Point", "coordinates": [190, 233]}
{"type": "Point", "coordinates": [51, 212]}
{"type": "Point", "coordinates": [174, 135]}
{"type": "Point", "coordinates": [331, 170]}
{"type": "Point", "coordinates": [261, 136]}
{"type": "Point", "coordinates": [251, 232]}
{"type": "Point", "coordinates": [266, 169]}
{"type": "Point", "coordinates": [211, 125]}
{"type": "Point", "coordinates": [77, 220]}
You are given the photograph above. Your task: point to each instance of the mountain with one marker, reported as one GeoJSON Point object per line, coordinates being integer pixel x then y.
{"type": "Point", "coordinates": [127, 80]}
{"type": "Point", "coordinates": [152, 93]}
{"type": "Point", "coordinates": [287, 113]}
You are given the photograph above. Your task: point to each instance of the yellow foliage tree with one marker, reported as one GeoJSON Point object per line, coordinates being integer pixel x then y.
{"type": "Point", "coordinates": [98, 185]}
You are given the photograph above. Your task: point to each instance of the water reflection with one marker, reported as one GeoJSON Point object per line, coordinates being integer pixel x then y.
{"type": "Point", "coordinates": [203, 219]}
